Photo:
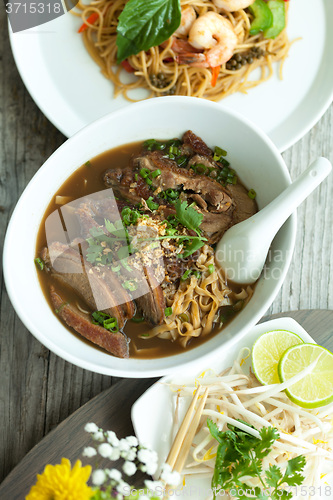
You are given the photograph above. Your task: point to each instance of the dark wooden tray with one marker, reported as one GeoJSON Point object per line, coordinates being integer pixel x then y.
{"type": "Point", "coordinates": [111, 410]}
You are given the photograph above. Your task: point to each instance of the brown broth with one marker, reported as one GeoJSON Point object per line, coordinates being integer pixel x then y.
{"type": "Point", "coordinates": [86, 180]}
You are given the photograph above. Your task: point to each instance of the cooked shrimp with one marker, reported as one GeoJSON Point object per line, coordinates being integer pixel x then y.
{"type": "Point", "coordinates": [214, 34]}
{"type": "Point", "coordinates": [232, 5]}
{"type": "Point", "coordinates": [187, 19]}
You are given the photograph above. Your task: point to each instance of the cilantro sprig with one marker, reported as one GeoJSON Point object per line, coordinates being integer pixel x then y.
{"type": "Point", "coordinates": [240, 454]}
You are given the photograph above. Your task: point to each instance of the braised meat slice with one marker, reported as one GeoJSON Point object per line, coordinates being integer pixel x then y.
{"type": "Point", "coordinates": [174, 177]}
{"type": "Point", "coordinates": [245, 207]}
{"type": "Point", "coordinates": [124, 184]}
{"type": "Point", "coordinates": [196, 144]}
{"type": "Point", "coordinates": [115, 343]}
{"type": "Point", "coordinates": [152, 304]}
{"type": "Point", "coordinates": [69, 267]}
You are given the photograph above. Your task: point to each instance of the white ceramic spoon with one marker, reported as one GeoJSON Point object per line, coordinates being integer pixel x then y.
{"type": "Point", "coordinates": [242, 250]}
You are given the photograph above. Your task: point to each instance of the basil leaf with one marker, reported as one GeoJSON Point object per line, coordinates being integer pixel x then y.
{"type": "Point", "coordinates": [144, 24]}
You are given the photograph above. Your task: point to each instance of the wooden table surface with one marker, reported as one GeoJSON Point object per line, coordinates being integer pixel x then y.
{"type": "Point", "coordinates": [37, 389]}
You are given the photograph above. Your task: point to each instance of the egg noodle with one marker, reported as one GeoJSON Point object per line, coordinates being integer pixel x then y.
{"type": "Point", "coordinates": [180, 79]}
{"type": "Point", "coordinates": [196, 304]}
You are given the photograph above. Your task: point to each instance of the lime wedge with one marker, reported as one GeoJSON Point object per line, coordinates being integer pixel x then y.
{"type": "Point", "coordinates": [267, 351]}
{"type": "Point", "coordinates": [316, 388]}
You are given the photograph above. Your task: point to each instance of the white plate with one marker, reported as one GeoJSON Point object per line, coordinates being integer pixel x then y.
{"type": "Point", "coordinates": [152, 413]}
{"type": "Point", "coordinates": [70, 90]}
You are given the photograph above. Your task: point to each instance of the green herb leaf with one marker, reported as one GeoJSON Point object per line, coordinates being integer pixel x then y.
{"type": "Point", "coordinates": [188, 216]}
{"type": "Point", "coordinates": [192, 246]}
{"type": "Point", "coordinates": [240, 454]}
{"type": "Point", "coordinates": [143, 25]}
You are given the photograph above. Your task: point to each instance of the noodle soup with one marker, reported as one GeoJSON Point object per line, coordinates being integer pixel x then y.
{"type": "Point", "coordinates": [126, 247]}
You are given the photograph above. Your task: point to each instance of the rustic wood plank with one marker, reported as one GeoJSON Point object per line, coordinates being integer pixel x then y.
{"type": "Point", "coordinates": [37, 389]}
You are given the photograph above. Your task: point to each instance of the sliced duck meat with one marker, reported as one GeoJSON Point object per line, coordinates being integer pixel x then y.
{"type": "Point", "coordinates": [115, 343]}
{"type": "Point", "coordinates": [174, 177]}
{"type": "Point", "coordinates": [245, 207]}
{"type": "Point", "coordinates": [196, 144]}
{"type": "Point", "coordinates": [206, 161]}
{"type": "Point", "coordinates": [86, 220]}
{"type": "Point", "coordinates": [214, 225]}
{"type": "Point", "coordinates": [152, 304]}
{"type": "Point", "coordinates": [124, 184]}
{"type": "Point", "coordinates": [100, 291]}
{"type": "Point", "coordinates": [91, 213]}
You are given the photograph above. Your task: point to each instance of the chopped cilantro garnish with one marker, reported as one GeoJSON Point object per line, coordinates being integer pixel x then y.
{"type": "Point", "coordinates": [241, 454]}
{"type": "Point", "coordinates": [188, 216]}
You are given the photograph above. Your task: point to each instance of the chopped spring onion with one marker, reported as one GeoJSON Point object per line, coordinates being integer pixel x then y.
{"type": "Point", "coordinates": [252, 194]}
{"type": "Point", "coordinates": [151, 204]}
{"type": "Point", "coordinates": [197, 274]}
{"type": "Point", "coordinates": [88, 163]}
{"type": "Point", "coordinates": [181, 160]}
{"type": "Point", "coordinates": [171, 193]}
{"type": "Point", "coordinates": [211, 268]}
{"type": "Point", "coordinates": [103, 319]}
{"type": "Point", "coordinates": [168, 311]}
{"type": "Point", "coordinates": [149, 181]}
{"type": "Point", "coordinates": [186, 275]}
{"type": "Point", "coordinates": [129, 216]}
{"type": "Point", "coordinates": [218, 152]}
{"type": "Point", "coordinates": [144, 172]}
{"type": "Point", "coordinates": [40, 263]}
{"type": "Point", "coordinates": [155, 173]}
{"type": "Point", "coordinates": [184, 317]}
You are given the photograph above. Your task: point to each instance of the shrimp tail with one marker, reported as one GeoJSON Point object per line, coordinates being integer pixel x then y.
{"type": "Point", "coordinates": [197, 60]}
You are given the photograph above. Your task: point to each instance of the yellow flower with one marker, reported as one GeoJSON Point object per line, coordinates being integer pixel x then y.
{"type": "Point", "coordinates": [60, 482]}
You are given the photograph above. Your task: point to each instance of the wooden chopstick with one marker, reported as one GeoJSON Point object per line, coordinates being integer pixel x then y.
{"type": "Point", "coordinates": [183, 440]}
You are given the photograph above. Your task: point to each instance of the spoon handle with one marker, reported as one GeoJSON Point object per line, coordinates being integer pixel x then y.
{"type": "Point", "coordinates": [277, 212]}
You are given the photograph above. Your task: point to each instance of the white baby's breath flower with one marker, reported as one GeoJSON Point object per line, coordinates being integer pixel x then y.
{"type": "Point", "coordinates": [151, 468]}
{"type": "Point", "coordinates": [105, 450]}
{"type": "Point", "coordinates": [132, 440]}
{"type": "Point", "coordinates": [98, 477]}
{"type": "Point", "coordinates": [154, 485]}
{"type": "Point", "coordinates": [91, 427]}
{"type": "Point", "coordinates": [131, 455]}
{"type": "Point", "coordinates": [114, 474]}
{"type": "Point", "coordinates": [169, 476]}
{"type": "Point", "coordinates": [123, 488]}
{"type": "Point", "coordinates": [124, 445]}
{"type": "Point", "coordinates": [98, 436]}
{"type": "Point", "coordinates": [115, 455]}
{"type": "Point", "coordinates": [89, 452]}
{"type": "Point", "coordinates": [145, 456]}
{"type": "Point", "coordinates": [143, 468]}
{"type": "Point", "coordinates": [129, 468]}
{"type": "Point", "coordinates": [112, 438]}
